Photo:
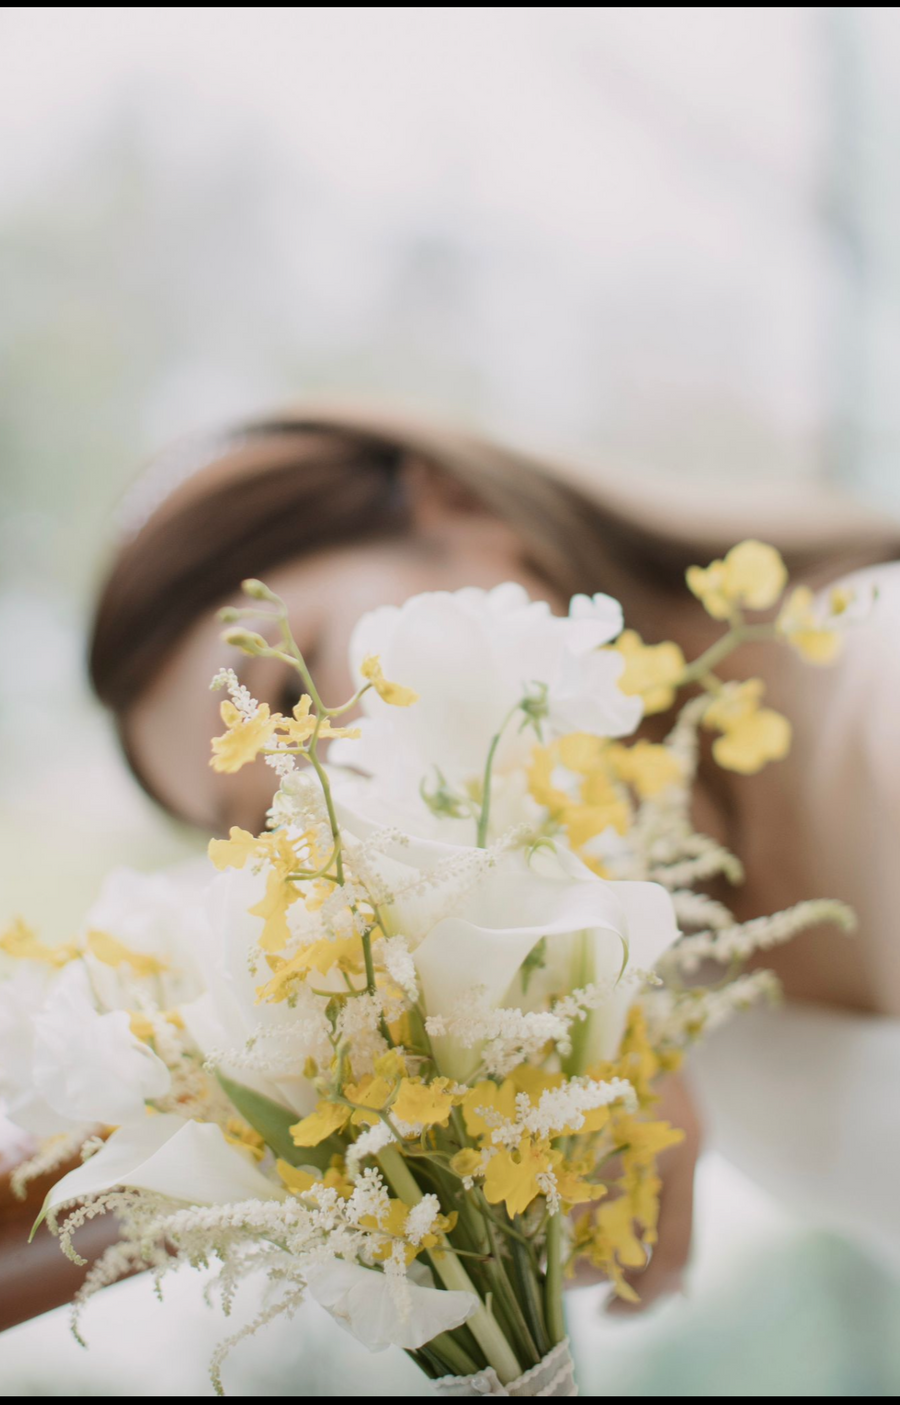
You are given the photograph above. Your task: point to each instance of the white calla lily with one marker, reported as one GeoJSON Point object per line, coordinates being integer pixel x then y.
{"type": "Point", "coordinates": [361, 1301]}
{"type": "Point", "coordinates": [649, 928]}
{"type": "Point", "coordinates": [474, 919]}
{"type": "Point", "coordinates": [188, 1161]}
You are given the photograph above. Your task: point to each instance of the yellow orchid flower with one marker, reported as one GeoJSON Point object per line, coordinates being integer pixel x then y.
{"type": "Point", "coordinates": [613, 1245]}
{"type": "Point", "coordinates": [393, 693]}
{"type": "Point", "coordinates": [234, 851]}
{"type": "Point", "coordinates": [652, 671]}
{"type": "Point", "coordinates": [751, 735]}
{"type": "Point", "coordinates": [298, 1182]}
{"type": "Point", "coordinates": [244, 738]}
{"type": "Point", "coordinates": [752, 575]}
{"type": "Point", "coordinates": [111, 952]}
{"type": "Point", "coordinates": [142, 1026]}
{"type": "Point", "coordinates": [393, 1223]}
{"type": "Point", "coordinates": [488, 1095]}
{"type": "Point", "coordinates": [807, 630]}
{"type": "Point", "coordinates": [371, 1093]}
{"type": "Point", "coordinates": [512, 1176]}
{"type": "Point", "coordinates": [301, 726]}
{"type": "Point", "coordinates": [599, 804]}
{"type": "Point", "coordinates": [344, 952]}
{"type": "Point", "coordinates": [749, 744]}
{"type": "Point", "coordinates": [571, 1186]}
{"type": "Point", "coordinates": [327, 1119]}
{"type": "Point", "coordinates": [646, 766]}
{"type": "Point", "coordinates": [273, 907]}
{"type": "Point", "coordinates": [23, 943]}
{"type": "Point", "coordinates": [427, 1103]}
{"type": "Point", "coordinates": [239, 1134]}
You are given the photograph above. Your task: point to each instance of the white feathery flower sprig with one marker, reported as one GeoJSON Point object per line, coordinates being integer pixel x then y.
{"type": "Point", "coordinates": [394, 954]}
{"type": "Point", "coordinates": [740, 940]}
{"type": "Point", "coordinates": [241, 696]}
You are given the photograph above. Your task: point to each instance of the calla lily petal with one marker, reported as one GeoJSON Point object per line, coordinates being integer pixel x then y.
{"type": "Point", "coordinates": [361, 1301]}
{"type": "Point", "coordinates": [188, 1161]}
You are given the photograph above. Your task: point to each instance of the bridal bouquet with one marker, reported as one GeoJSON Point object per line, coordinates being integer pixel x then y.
{"type": "Point", "coordinates": [403, 1055]}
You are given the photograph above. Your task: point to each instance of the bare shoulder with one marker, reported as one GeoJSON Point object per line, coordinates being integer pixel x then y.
{"type": "Point", "coordinates": [841, 789]}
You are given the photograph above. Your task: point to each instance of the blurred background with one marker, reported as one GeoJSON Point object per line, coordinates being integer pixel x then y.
{"type": "Point", "coordinates": [665, 239]}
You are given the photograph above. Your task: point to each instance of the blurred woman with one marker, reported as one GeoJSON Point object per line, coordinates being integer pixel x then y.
{"type": "Point", "coordinates": [342, 510]}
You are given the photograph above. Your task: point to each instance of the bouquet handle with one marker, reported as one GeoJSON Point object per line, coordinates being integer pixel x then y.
{"type": "Point", "coordinates": [553, 1377]}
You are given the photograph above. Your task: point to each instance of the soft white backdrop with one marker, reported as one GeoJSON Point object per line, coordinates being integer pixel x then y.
{"type": "Point", "coordinates": [663, 237]}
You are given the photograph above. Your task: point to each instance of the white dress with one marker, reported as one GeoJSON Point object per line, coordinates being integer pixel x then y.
{"type": "Point", "coordinates": [806, 1102]}
{"type": "Point", "coordinates": [806, 1099]}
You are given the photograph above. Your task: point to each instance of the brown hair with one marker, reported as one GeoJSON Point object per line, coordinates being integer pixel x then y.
{"type": "Point", "coordinates": [279, 488]}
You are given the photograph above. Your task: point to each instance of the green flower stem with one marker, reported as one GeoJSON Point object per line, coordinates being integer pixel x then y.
{"type": "Point", "coordinates": [485, 815]}
{"type": "Point", "coordinates": [345, 707]}
{"type": "Point", "coordinates": [329, 804]}
{"type": "Point", "coordinates": [298, 659]}
{"type": "Point", "coordinates": [553, 1297]}
{"type": "Point", "coordinates": [453, 1357]}
{"type": "Point", "coordinates": [512, 1308]}
{"type": "Point", "coordinates": [493, 1343]}
{"type": "Point", "coordinates": [738, 634]}
{"type": "Point", "coordinates": [584, 973]}
{"type": "Point", "coordinates": [529, 1291]}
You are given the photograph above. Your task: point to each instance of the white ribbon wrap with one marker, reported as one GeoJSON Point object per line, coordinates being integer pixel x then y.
{"type": "Point", "coordinates": [552, 1377]}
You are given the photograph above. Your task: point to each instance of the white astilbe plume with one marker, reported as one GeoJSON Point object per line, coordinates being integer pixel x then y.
{"type": "Point", "coordinates": [283, 1239]}
{"type": "Point", "coordinates": [359, 1029]}
{"type": "Point", "coordinates": [281, 762]}
{"type": "Point", "coordinates": [421, 1218]}
{"type": "Point", "coordinates": [360, 859]}
{"type": "Point", "coordinates": [458, 874]}
{"type": "Point", "coordinates": [285, 1306]}
{"type": "Point", "coordinates": [299, 804]}
{"type": "Point", "coordinates": [678, 1019]}
{"type": "Point", "coordinates": [662, 846]}
{"type": "Point", "coordinates": [346, 912]}
{"type": "Point", "coordinates": [370, 1197]}
{"type": "Point", "coordinates": [90, 1206]}
{"type": "Point", "coordinates": [564, 1108]}
{"type": "Point", "coordinates": [740, 940]}
{"type": "Point", "coordinates": [699, 910]}
{"type": "Point", "coordinates": [394, 955]}
{"type": "Point", "coordinates": [512, 1036]}
{"type": "Point", "coordinates": [509, 1035]}
{"type": "Point", "coordinates": [699, 860]}
{"type": "Point", "coordinates": [298, 1032]}
{"type": "Point", "coordinates": [368, 1143]}
{"type": "Point", "coordinates": [558, 1110]}
{"type": "Point", "coordinates": [246, 705]}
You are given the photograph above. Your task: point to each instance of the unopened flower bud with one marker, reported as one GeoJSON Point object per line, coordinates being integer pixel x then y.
{"type": "Point", "coordinates": [257, 591]}
{"type": "Point", "coordinates": [245, 640]}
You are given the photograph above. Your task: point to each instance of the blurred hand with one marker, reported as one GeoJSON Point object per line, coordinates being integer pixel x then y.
{"type": "Point", "coordinates": [36, 1277]}
{"type": "Point", "coordinates": [664, 1274]}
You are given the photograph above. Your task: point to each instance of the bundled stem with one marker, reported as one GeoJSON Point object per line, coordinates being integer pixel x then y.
{"type": "Point", "coordinates": [484, 1328]}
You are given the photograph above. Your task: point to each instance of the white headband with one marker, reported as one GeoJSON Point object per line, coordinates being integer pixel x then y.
{"type": "Point", "coordinates": [166, 473]}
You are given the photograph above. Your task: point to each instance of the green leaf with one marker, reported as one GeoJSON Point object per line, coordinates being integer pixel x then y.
{"type": "Point", "coordinates": [273, 1123]}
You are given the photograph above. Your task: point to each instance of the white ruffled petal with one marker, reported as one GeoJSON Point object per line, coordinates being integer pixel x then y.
{"type": "Point", "coordinates": [360, 1300]}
